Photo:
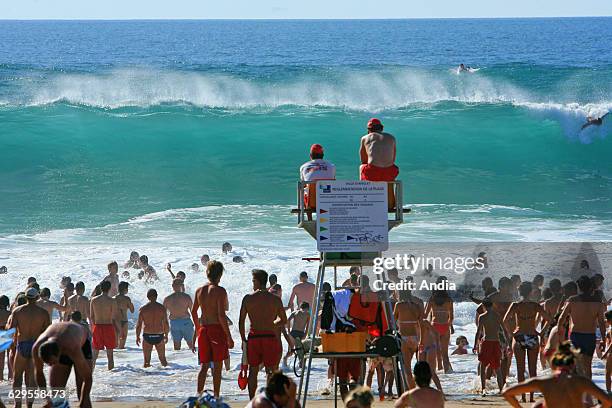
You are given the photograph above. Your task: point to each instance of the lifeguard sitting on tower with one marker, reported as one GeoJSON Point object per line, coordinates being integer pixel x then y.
{"type": "Point", "coordinates": [315, 169]}
{"type": "Point", "coordinates": [377, 154]}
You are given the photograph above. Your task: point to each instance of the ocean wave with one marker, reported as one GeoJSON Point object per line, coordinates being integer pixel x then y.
{"type": "Point", "coordinates": [365, 90]}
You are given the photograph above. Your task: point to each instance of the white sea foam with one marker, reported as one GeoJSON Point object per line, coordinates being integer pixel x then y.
{"type": "Point", "coordinates": [357, 90]}
{"type": "Point", "coordinates": [266, 238]}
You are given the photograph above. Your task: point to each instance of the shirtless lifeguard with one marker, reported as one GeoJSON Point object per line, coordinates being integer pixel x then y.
{"type": "Point", "coordinates": [30, 321]}
{"type": "Point", "coordinates": [102, 312]}
{"type": "Point", "coordinates": [377, 154]}
{"type": "Point", "coordinates": [214, 338]}
{"type": "Point", "coordinates": [266, 315]}
{"type": "Point", "coordinates": [179, 306]}
{"type": "Point", "coordinates": [302, 292]}
{"type": "Point", "coordinates": [64, 346]}
{"type": "Point", "coordinates": [124, 304]}
{"type": "Point", "coordinates": [153, 323]}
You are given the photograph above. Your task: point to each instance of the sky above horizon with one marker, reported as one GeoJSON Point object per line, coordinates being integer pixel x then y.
{"type": "Point", "coordinates": [287, 9]}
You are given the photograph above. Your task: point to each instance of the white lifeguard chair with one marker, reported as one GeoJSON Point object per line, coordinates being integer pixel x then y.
{"type": "Point", "coordinates": [307, 219]}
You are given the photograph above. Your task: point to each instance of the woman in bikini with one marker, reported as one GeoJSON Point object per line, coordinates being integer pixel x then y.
{"type": "Point", "coordinates": [428, 349]}
{"type": "Point", "coordinates": [524, 316]}
{"type": "Point", "coordinates": [440, 310]}
{"type": "Point", "coordinates": [409, 313]}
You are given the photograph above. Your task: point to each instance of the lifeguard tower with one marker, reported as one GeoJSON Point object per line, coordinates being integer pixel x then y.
{"type": "Point", "coordinates": [350, 221]}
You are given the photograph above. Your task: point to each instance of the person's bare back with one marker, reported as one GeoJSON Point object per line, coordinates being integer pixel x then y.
{"type": "Point", "coordinates": [79, 303]}
{"type": "Point", "coordinates": [491, 323]}
{"type": "Point", "coordinates": [124, 303]}
{"type": "Point", "coordinates": [262, 308]}
{"type": "Point", "coordinates": [302, 292]}
{"type": "Point", "coordinates": [153, 316]}
{"type": "Point", "coordinates": [585, 313]}
{"type": "Point", "coordinates": [102, 309]}
{"type": "Point", "coordinates": [30, 320]}
{"type": "Point", "coordinates": [212, 300]}
{"type": "Point", "coordinates": [178, 305]}
{"type": "Point", "coordinates": [421, 398]}
{"type": "Point", "coordinates": [379, 148]}
{"type": "Point", "coordinates": [564, 390]}
{"type": "Point", "coordinates": [523, 315]}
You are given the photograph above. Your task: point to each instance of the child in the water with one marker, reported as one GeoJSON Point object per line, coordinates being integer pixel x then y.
{"type": "Point", "coordinates": [462, 344]}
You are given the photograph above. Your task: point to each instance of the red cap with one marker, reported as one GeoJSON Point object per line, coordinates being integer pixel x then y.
{"type": "Point", "coordinates": [374, 122]}
{"type": "Point", "coordinates": [316, 149]}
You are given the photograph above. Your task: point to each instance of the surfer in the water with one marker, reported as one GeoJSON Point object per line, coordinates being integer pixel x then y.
{"type": "Point", "coordinates": [591, 121]}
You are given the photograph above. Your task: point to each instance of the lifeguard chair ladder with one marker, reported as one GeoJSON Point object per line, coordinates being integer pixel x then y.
{"type": "Point", "coordinates": [309, 224]}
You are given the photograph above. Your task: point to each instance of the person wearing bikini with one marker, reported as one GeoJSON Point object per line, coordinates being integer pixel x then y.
{"type": "Point", "coordinates": [409, 313]}
{"type": "Point", "coordinates": [524, 316]}
{"type": "Point", "coordinates": [429, 344]}
{"type": "Point", "coordinates": [440, 310]}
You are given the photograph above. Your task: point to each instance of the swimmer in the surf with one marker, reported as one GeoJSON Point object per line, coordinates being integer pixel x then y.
{"type": "Point", "coordinates": [591, 121]}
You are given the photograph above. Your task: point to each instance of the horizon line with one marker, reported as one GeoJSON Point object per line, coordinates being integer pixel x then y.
{"type": "Point", "coordinates": [303, 19]}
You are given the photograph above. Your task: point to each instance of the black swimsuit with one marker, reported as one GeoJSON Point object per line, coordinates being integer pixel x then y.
{"type": "Point", "coordinates": [153, 339]}
{"type": "Point", "coordinates": [87, 353]}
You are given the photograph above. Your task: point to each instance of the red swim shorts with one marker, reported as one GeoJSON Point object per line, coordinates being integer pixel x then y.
{"type": "Point", "coordinates": [104, 337]}
{"type": "Point", "coordinates": [263, 347]}
{"type": "Point", "coordinates": [490, 354]}
{"type": "Point", "coordinates": [212, 344]}
{"type": "Point", "coordinates": [348, 367]}
{"type": "Point", "coordinates": [442, 328]}
{"type": "Point", "coordinates": [373, 173]}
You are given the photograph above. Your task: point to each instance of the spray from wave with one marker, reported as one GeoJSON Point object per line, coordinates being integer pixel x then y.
{"type": "Point", "coordinates": [378, 90]}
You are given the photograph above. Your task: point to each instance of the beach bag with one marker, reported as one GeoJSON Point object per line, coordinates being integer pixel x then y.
{"type": "Point", "coordinates": [386, 346]}
{"type": "Point", "coordinates": [206, 400]}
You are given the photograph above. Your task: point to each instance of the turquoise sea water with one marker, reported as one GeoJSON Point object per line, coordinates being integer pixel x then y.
{"type": "Point", "coordinates": [105, 121]}
{"type": "Point", "coordinates": [171, 137]}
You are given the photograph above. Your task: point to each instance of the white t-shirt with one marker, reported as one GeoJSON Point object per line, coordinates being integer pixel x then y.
{"type": "Point", "coordinates": [318, 169]}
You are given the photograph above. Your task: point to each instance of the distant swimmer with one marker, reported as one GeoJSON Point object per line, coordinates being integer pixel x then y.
{"type": "Point", "coordinates": [591, 121]}
{"type": "Point", "coordinates": [463, 68]}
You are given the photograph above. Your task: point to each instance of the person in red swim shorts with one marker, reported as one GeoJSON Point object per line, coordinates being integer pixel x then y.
{"type": "Point", "coordinates": [377, 154]}
{"type": "Point", "coordinates": [212, 330]}
{"type": "Point", "coordinates": [266, 315]}
{"type": "Point", "coordinates": [488, 345]}
{"type": "Point", "coordinates": [102, 311]}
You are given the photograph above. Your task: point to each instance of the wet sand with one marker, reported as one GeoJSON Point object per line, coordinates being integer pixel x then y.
{"type": "Point", "coordinates": [492, 401]}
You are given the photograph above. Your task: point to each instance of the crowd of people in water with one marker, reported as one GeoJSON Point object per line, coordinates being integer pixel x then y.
{"type": "Point", "coordinates": [560, 327]}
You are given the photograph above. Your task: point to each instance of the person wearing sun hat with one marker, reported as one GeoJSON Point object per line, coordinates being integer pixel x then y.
{"type": "Point", "coordinates": [377, 154]}
{"type": "Point", "coordinates": [316, 169]}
